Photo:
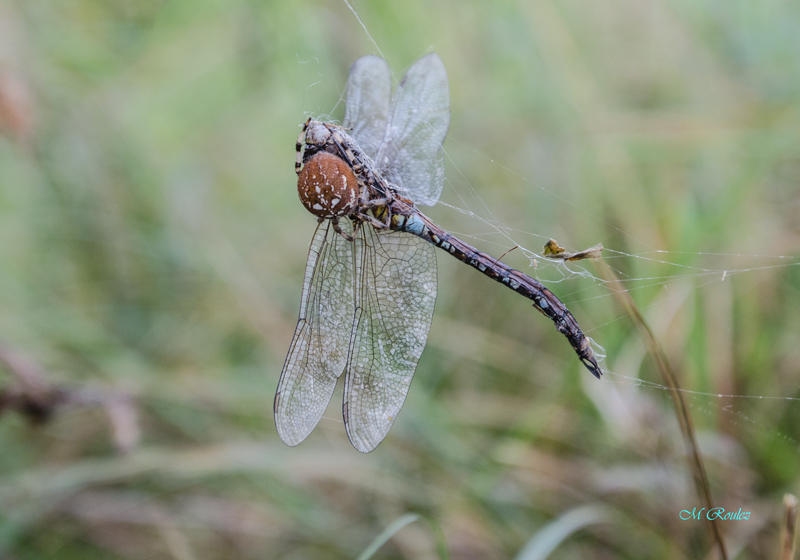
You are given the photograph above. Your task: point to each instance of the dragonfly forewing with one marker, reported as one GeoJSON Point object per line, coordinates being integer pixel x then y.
{"type": "Point", "coordinates": [410, 155]}
{"type": "Point", "coordinates": [369, 91]}
{"type": "Point", "coordinates": [318, 352]}
{"type": "Point", "coordinates": [396, 292]}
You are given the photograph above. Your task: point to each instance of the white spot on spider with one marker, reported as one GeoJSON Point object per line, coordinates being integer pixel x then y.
{"type": "Point", "coordinates": [317, 206]}
{"type": "Point", "coordinates": [335, 201]}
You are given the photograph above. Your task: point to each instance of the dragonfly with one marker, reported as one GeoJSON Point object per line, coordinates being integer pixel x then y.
{"type": "Point", "coordinates": [370, 281]}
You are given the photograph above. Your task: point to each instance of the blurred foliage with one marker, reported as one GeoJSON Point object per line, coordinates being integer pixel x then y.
{"type": "Point", "coordinates": [152, 250]}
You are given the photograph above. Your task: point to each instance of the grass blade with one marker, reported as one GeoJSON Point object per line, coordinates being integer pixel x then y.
{"type": "Point", "coordinates": [671, 381]}
{"type": "Point", "coordinates": [554, 533]}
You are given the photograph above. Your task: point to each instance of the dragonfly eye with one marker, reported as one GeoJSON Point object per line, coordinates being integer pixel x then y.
{"type": "Point", "coordinates": [327, 186]}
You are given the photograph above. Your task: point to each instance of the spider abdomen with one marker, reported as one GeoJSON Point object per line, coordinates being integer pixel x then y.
{"type": "Point", "coordinates": [327, 186]}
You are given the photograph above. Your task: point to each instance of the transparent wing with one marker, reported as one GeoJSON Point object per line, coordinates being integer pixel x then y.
{"type": "Point", "coordinates": [318, 353]}
{"type": "Point", "coordinates": [396, 289]}
{"type": "Point", "coordinates": [410, 155]}
{"type": "Point", "coordinates": [369, 89]}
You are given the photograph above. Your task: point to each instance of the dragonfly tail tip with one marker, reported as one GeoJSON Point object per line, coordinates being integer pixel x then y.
{"type": "Point", "coordinates": [592, 366]}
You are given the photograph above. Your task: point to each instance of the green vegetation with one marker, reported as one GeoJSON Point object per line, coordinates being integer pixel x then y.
{"type": "Point", "coordinates": [152, 249]}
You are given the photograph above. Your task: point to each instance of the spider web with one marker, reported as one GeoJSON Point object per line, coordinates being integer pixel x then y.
{"type": "Point", "coordinates": [674, 275]}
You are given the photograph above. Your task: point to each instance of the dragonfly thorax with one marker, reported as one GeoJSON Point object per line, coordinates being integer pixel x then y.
{"type": "Point", "coordinates": [327, 186]}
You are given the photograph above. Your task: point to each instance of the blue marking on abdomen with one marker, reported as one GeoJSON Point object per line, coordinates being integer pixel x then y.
{"type": "Point", "coordinates": [414, 225]}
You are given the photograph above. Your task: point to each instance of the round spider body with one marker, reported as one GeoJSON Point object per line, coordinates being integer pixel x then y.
{"type": "Point", "coordinates": [327, 186]}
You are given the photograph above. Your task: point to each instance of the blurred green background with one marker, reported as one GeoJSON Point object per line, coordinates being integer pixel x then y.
{"type": "Point", "coordinates": [152, 248]}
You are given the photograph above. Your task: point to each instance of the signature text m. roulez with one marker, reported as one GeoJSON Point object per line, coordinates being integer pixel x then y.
{"type": "Point", "coordinates": [714, 513]}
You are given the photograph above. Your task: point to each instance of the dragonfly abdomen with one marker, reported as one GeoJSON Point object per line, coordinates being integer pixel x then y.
{"type": "Point", "coordinates": [408, 219]}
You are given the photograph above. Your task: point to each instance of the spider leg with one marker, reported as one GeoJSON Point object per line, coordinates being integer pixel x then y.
{"type": "Point", "coordinates": [375, 222]}
{"type": "Point", "coordinates": [340, 231]}
{"type": "Point", "coordinates": [298, 162]}
{"type": "Point", "coordinates": [376, 202]}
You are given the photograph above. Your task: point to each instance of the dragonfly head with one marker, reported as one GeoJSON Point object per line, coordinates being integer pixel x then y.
{"type": "Point", "coordinates": [327, 186]}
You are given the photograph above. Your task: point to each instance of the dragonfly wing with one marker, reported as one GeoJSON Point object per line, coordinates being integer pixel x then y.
{"type": "Point", "coordinates": [396, 291]}
{"type": "Point", "coordinates": [318, 353]}
{"type": "Point", "coordinates": [410, 155]}
{"type": "Point", "coordinates": [369, 89]}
